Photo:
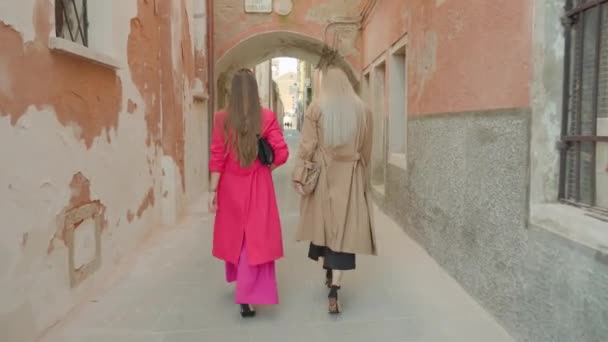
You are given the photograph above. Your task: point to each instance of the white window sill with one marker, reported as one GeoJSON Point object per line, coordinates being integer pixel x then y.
{"type": "Point", "coordinates": [398, 160]}
{"type": "Point", "coordinates": [74, 49]}
{"type": "Point", "coordinates": [572, 223]}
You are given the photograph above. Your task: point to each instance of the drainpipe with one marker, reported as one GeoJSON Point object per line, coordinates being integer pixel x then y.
{"type": "Point", "coordinates": [210, 59]}
{"type": "Point", "coordinates": [270, 87]}
{"type": "Point", "coordinates": [210, 76]}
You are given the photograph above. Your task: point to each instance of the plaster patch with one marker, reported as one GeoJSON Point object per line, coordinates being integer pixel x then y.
{"type": "Point", "coordinates": [322, 12]}
{"type": "Point", "coordinates": [427, 63]}
{"type": "Point", "coordinates": [84, 243]}
{"type": "Point", "coordinates": [457, 21]}
{"type": "Point", "coordinates": [156, 42]}
{"type": "Point", "coordinates": [81, 92]}
{"type": "Point", "coordinates": [143, 52]}
{"type": "Point", "coordinates": [131, 106]}
{"type": "Point", "coordinates": [146, 203]}
{"type": "Point", "coordinates": [19, 16]}
{"type": "Point", "coordinates": [5, 81]}
{"type": "Point", "coordinates": [80, 188]}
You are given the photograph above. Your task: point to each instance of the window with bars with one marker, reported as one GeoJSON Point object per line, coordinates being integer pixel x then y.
{"type": "Point", "coordinates": [584, 156]}
{"type": "Point", "coordinates": [71, 20]}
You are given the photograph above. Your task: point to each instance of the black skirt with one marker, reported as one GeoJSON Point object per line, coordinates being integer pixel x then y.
{"type": "Point", "coordinates": [332, 260]}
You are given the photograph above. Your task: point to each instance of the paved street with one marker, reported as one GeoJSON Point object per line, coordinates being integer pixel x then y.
{"type": "Point", "coordinates": [174, 291]}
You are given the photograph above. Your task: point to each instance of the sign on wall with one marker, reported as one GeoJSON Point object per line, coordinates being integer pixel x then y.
{"type": "Point", "coordinates": [258, 6]}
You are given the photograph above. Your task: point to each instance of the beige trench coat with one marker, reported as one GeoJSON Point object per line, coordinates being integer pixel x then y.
{"type": "Point", "coordinates": [338, 214]}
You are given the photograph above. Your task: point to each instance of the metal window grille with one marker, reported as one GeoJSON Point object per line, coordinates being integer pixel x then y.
{"type": "Point", "coordinates": [585, 100]}
{"type": "Point", "coordinates": [71, 20]}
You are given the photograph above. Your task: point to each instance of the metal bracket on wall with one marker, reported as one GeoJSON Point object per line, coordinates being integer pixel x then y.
{"type": "Point", "coordinates": [567, 22]}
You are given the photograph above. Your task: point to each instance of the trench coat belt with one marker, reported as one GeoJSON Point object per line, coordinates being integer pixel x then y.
{"type": "Point", "coordinates": [346, 158]}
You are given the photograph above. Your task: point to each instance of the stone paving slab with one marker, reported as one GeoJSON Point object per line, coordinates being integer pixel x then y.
{"type": "Point", "coordinates": [175, 292]}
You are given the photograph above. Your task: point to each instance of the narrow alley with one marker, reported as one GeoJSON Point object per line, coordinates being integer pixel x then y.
{"type": "Point", "coordinates": [488, 167]}
{"type": "Point", "coordinates": [173, 291]}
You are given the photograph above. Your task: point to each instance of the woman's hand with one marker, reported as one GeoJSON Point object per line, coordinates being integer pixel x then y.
{"type": "Point", "coordinates": [299, 188]}
{"type": "Point", "coordinates": [212, 202]}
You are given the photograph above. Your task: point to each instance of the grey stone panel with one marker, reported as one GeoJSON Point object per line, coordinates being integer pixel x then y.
{"type": "Point", "coordinates": [464, 198]}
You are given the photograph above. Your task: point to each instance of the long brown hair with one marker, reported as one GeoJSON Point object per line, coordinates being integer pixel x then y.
{"type": "Point", "coordinates": [244, 117]}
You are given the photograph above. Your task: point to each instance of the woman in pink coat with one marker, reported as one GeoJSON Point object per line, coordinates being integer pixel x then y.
{"type": "Point", "coordinates": [247, 231]}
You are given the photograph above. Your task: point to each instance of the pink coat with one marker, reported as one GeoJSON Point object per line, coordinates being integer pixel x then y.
{"type": "Point", "coordinates": [247, 205]}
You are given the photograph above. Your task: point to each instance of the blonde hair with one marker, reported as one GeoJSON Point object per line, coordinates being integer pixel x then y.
{"type": "Point", "coordinates": [342, 109]}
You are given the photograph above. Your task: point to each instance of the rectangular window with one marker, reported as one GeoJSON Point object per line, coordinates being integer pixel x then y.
{"type": "Point", "coordinates": [71, 21]}
{"type": "Point", "coordinates": [366, 91]}
{"type": "Point", "coordinates": [398, 98]}
{"type": "Point", "coordinates": [584, 157]}
{"type": "Point", "coordinates": [380, 145]}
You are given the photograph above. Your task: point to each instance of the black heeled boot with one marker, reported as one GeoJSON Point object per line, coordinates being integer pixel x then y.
{"type": "Point", "coordinates": [334, 304]}
{"type": "Point", "coordinates": [246, 311]}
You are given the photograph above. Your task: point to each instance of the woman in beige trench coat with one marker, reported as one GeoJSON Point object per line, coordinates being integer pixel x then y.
{"type": "Point", "coordinates": [337, 216]}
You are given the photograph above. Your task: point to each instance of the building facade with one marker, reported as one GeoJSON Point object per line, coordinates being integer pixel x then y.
{"type": "Point", "coordinates": [286, 84]}
{"type": "Point", "coordinates": [491, 151]}
{"type": "Point", "coordinates": [263, 74]}
{"type": "Point", "coordinates": [304, 90]}
{"type": "Point", "coordinates": [268, 89]}
{"type": "Point", "coordinates": [103, 115]}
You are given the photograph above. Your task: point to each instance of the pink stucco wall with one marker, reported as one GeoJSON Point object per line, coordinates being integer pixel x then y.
{"type": "Point", "coordinates": [463, 55]}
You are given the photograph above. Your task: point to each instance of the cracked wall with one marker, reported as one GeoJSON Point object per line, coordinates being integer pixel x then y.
{"type": "Point", "coordinates": [97, 157]}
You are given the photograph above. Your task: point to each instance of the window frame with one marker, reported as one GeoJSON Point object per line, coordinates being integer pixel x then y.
{"type": "Point", "coordinates": [380, 112]}
{"type": "Point", "coordinates": [398, 158]}
{"type": "Point", "coordinates": [100, 45]}
{"type": "Point", "coordinates": [61, 19]}
{"type": "Point", "coordinates": [574, 18]}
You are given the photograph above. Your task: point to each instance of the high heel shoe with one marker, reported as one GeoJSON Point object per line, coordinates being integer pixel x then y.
{"type": "Point", "coordinates": [334, 304]}
{"type": "Point", "coordinates": [247, 311]}
{"type": "Point", "coordinates": [328, 278]}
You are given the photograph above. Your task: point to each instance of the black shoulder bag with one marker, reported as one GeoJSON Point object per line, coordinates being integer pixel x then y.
{"type": "Point", "coordinates": [265, 152]}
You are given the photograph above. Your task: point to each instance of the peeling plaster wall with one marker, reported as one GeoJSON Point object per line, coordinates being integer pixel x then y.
{"type": "Point", "coordinates": [462, 54]}
{"type": "Point", "coordinates": [93, 158]}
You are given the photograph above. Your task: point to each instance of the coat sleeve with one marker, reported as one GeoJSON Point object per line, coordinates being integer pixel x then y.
{"type": "Point", "coordinates": [218, 145]}
{"type": "Point", "coordinates": [308, 144]}
{"type": "Point", "coordinates": [277, 142]}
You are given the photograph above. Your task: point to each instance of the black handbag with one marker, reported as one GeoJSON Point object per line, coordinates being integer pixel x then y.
{"type": "Point", "coordinates": [265, 152]}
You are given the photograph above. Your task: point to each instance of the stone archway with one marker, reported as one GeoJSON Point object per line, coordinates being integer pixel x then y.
{"type": "Point", "coordinates": [263, 46]}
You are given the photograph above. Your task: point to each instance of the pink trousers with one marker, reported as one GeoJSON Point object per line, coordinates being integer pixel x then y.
{"type": "Point", "coordinates": [256, 285]}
